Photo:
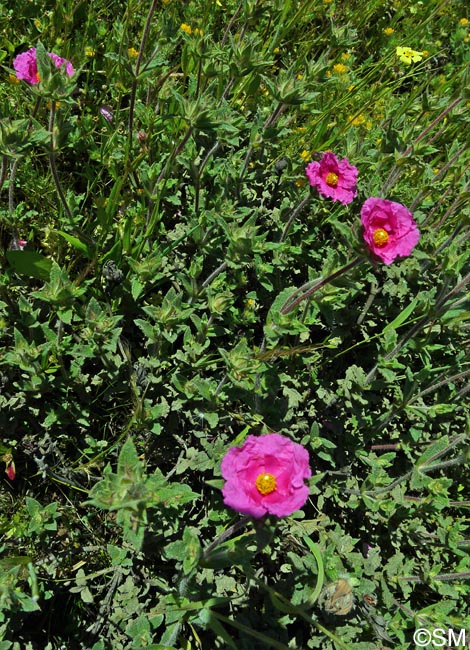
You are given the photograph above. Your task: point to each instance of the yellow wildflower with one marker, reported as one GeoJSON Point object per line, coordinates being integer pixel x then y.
{"type": "Point", "coordinates": [132, 52]}
{"type": "Point", "coordinates": [186, 28]}
{"type": "Point", "coordinates": [305, 155]}
{"type": "Point", "coordinates": [463, 21]}
{"type": "Point", "coordinates": [13, 79]}
{"type": "Point", "coordinates": [407, 55]}
{"type": "Point", "coordinates": [300, 182]}
{"type": "Point", "coordinates": [339, 68]}
{"type": "Point", "coordinates": [345, 56]}
{"type": "Point", "coordinates": [388, 31]}
{"type": "Point", "coordinates": [358, 120]}
{"type": "Point", "coordinates": [276, 50]}
{"type": "Point", "coordinates": [198, 32]}
{"type": "Point", "coordinates": [90, 52]}
{"type": "Point", "coordinates": [37, 23]}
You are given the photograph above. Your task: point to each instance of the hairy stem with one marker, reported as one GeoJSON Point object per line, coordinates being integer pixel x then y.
{"type": "Point", "coordinates": [52, 163]}
{"type": "Point", "coordinates": [137, 67]}
{"type": "Point", "coordinates": [291, 304]}
{"type": "Point", "coordinates": [305, 201]}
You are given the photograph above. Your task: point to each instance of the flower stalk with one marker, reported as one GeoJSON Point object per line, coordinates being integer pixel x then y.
{"type": "Point", "coordinates": [52, 162]}
{"type": "Point", "coordinates": [292, 302]}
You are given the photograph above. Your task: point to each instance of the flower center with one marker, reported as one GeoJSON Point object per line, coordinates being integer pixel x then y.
{"type": "Point", "coordinates": [332, 179]}
{"type": "Point", "coordinates": [265, 483]}
{"type": "Point", "coordinates": [380, 237]}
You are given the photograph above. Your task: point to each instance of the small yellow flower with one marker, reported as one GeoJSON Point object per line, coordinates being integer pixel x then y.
{"type": "Point", "coordinates": [339, 68]}
{"type": "Point", "coordinates": [276, 50]}
{"type": "Point", "coordinates": [90, 52]}
{"type": "Point", "coordinates": [388, 31]}
{"type": "Point", "coordinates": [463, 21]}
{"type": "Point", "coordinates": [300, 182]}
{"type": "Point", "coordinates": [407, 55]}
{"type": "Point", "coordinates": [186, 28]}
{"type": "Point", "coordinates": [132, 53]}
{"type": "Point", "coordinates": [13, 79]}
{"type": "Point", "coordinates": [37, 24]}
{"type": "Point", "coordinates": [305, 155]}
{"type": "Point", "coordinates": [345, 56]}
{"type": "Point", "coordinates": [198, 32]}
{"type": "Point", "coordinates": [358, 120]}
{"type": "Point", "coordinates": [300, 76]}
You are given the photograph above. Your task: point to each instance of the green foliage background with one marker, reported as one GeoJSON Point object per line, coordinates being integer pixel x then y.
{"type": "Point", "coordinates": [161, 192]}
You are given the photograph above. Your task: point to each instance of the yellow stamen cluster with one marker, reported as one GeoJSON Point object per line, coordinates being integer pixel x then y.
{"type": "Point", "coordinates": [380, 237]}
{"type": "Point", "coordinates": [332, 179]}
{"type": "Point", "coordinates": [265, 483]}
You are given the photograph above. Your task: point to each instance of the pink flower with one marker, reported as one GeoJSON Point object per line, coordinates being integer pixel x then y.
{"type": "Point", "coordinates": [10, 466]}
{"type": "Point", "coordinates": [389, 229]}
{"type": "Point", "coordinates": [59, 61]}
{"type": "Point", "coordinates": [333, 178]}
{"type": "Point", "coordinates": [266, 475]}
{"type": "Point", "coordinates": [26, 65]}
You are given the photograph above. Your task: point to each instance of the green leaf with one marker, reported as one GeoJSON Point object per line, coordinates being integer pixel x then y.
{"type": "Point", "coordinates": [402, 317]}
{"type": "Point", "coordinates": [30, 263]}
{"type": "Point", "coordinates": [77, 243]}
{"type": "Point", "coordinates": [128, 463]}
{"type": "Point", "coordinates": [434, 451]}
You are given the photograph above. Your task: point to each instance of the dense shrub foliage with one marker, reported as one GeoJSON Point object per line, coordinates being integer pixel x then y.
{"type": "Point", "coordinates": [174, 285]}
